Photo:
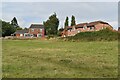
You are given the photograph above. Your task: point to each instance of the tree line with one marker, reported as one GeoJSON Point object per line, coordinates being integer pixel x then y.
{"type": "Point", "coordinates": [9, 28]}
{"type": "Point", "coordinates": [51, 25]}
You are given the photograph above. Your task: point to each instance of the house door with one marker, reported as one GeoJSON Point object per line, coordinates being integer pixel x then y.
{"type": "Point", "coordinates": [34, 35]}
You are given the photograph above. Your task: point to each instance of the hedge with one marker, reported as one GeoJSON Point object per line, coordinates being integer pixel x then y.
{"type": "Point", "coordinates": [102, 35]}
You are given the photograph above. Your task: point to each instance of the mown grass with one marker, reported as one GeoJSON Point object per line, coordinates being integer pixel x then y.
{"type": "Point", "coordinates": [59, 59]}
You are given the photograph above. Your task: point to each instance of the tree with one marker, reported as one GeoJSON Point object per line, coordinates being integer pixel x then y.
{"type": "Point", "coordinates": [66, 23]}
{"type": "Point", "coordinates": [51, 25]}
{"type": "Point", "coordinates": [25, 28]}
{"type": "Point", "coordinates": [18, 28]}
{"type": "Point", "coordinates": [14, 22]}
{"type": "Point", "coordinates": [7, 29]}
{"type": "Point", "coordinates": [73, 22]}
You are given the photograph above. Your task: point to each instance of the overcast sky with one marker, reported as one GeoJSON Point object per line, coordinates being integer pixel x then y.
{"type": "Point", "coordinates": [37, 12]}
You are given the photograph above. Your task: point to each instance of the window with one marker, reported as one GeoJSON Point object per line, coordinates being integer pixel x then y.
{"type": "Point", "coordinates": [31, 35]}
{"type": "Point", "coordinates": [21, 34]}
{"type": "Point", "coordinates": [39, 35]}
{"type": "Point", "coordinates": [32, 30]}
{"type": "Point", "coordinates": [79, 31]}
{"type": "Point", "coordinates": [103, 28]}
{"type": "Point", "coordinates": [69, 30]}
{"type": "Point", "coordinates": [84, 27]}
{"type": "Point", "coordinates": [40, 30]}
{"type": "Point", "coordinates": [73, 28]}
{"type": "Point", "coordinates": [91, 28]}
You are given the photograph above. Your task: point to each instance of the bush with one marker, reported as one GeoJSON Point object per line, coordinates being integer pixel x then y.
{"type": "Point", "coordinates": [102, 35]}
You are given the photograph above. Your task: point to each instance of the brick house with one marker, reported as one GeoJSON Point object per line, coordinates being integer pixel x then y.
{"type": "Point", "coordinates": [35, 30]}
{"type": "Point", "coordinates": [84, 27]}
{"type": "Point", "coordinates": [20, 33]}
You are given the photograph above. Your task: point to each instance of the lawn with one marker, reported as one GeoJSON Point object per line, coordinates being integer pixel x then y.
{"type": "Point", "coordinates": [59, 59]}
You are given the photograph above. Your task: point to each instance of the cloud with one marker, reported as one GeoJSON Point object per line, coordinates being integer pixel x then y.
{"type": "Point", "coordinates": [37, 12]}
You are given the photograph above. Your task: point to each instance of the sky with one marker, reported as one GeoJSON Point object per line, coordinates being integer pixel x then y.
{"type": "Point", "coordinates": [60, 0]}
{"type": "Point", "coordinates": [37, 12]}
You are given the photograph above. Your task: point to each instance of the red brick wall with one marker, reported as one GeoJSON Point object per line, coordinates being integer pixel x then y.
{"type": "Point", "coordinates": [43, 32]}
{"type": "Point", "coordinates": [101, 26]}
{"type": "Point", "coordinates": [84, 30]}
{"type": "Point", "coordinates": [17, 35]}
{"type": "Point", "coordinates": [36, 31]}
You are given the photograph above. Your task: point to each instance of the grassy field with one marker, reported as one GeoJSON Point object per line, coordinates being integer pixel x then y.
{"type": "Point", "coordinates": [59, 59]}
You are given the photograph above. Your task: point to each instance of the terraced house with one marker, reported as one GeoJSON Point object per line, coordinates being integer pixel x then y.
{"type": "Point", "coordinates": [35, 30]}
{"type": "Point", "coordinates": [84, 27]}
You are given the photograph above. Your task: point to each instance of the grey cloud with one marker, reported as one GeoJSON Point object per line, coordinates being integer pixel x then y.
{"type": "Point", "coordinates": [83, 11]}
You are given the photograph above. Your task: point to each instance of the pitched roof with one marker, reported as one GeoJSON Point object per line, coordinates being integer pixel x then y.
{"type": "Point", "coordinates": [36, 26]}
{"type": "Point", "coordinates": [96, 22]}
{"type": "Point", "coordinates": [21, 31]}
{"type": "Point", "coordinates": [69, 27]}
{"type": "Point", "coordinates": [81, 25]}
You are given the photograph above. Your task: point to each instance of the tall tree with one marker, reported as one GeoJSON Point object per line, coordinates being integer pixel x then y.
{"type": "Point", "coordinates": [51, 25]}
{"type": "Point", "coordinates": [14, 22]}
{"type": "Point", "coordinates": [66, 22]}
{"type": "Point", "coordinates": [25, 28]}
{"type": "Point", "coordinates": [7, 29]}
{"type": "Point", "coordinates": [73, 22]}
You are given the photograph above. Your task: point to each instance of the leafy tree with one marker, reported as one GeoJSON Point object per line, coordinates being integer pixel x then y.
{"type": "Point", "coordinates": [14, 22]}
{"type": "Point", "coordinates": [73, 22]}
{"type": "Point", "coordinates": [66, 22]}
{"type": "Point", "coordinates": [18, 28]}
{"type": "Point", "coordinates": [51, 25]}
{"type": "Point", "coordinates": [7, 29]}
{"type": "Point", "coordinates": [25, 28]}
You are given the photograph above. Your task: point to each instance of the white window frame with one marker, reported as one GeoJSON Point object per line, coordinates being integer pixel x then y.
{"type": "Point", "coordinates": [32, 30]}
{"type": "Point", "coordinates": [41, 30]}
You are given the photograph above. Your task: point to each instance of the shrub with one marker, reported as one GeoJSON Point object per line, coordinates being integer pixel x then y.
{"type": "Point", "coordinates": [102, 35]}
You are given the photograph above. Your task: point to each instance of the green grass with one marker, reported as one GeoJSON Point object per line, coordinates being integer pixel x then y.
{"type": "Point", "coordinates": [59, 59]}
